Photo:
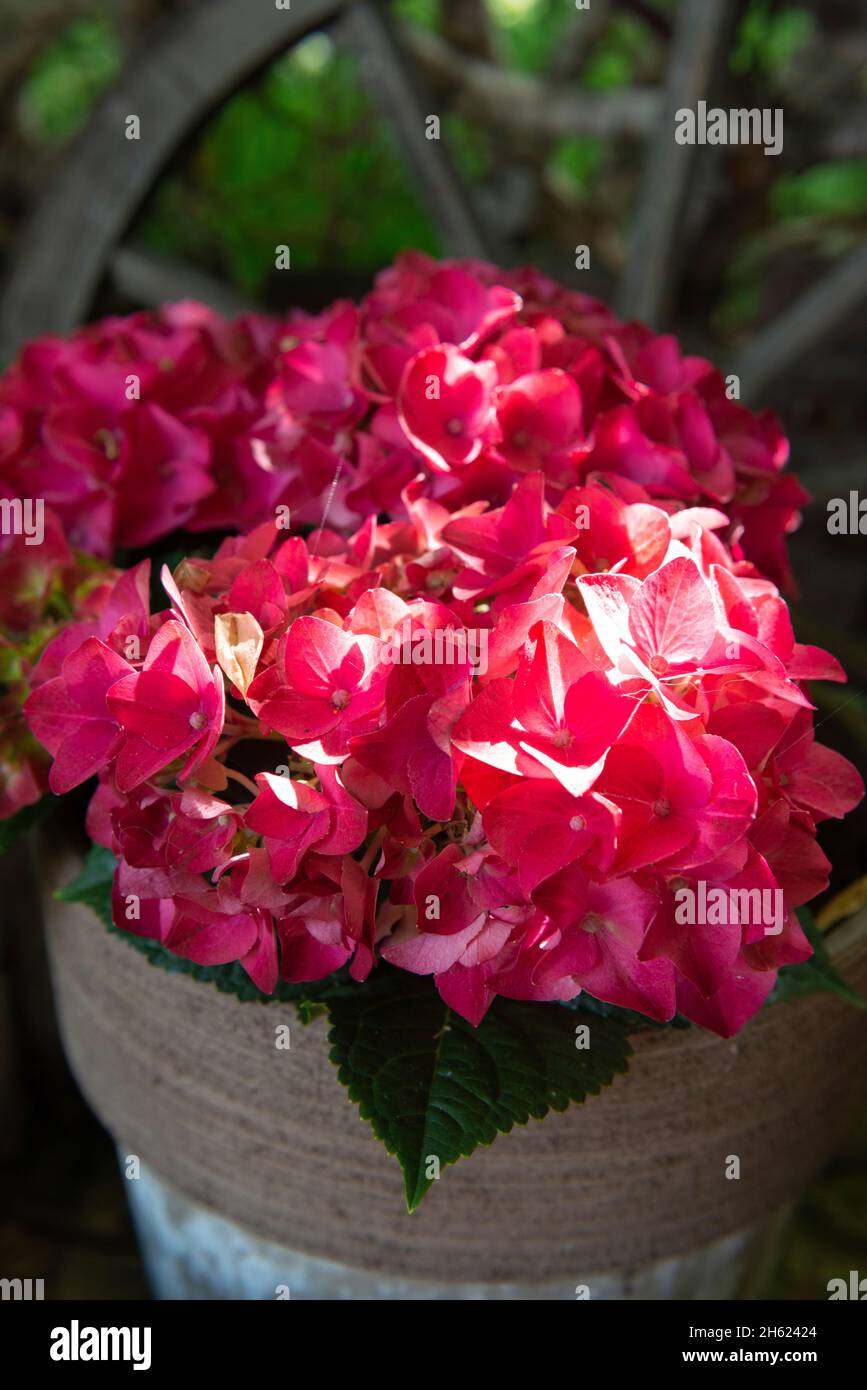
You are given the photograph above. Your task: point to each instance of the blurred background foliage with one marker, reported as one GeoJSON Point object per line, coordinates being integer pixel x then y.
{"type": "Point", "coordinates": [303, 150]}
{"type": "Point", "coordinates": [302, 155]}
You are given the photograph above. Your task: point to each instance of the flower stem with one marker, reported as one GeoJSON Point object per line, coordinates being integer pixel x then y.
{"type": "Point", "coordinates": [244, 781]}
{"type": "Point", "coordinates": [370, 852]}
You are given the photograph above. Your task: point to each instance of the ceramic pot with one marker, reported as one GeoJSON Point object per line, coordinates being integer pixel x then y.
{"type": "Point", "coordinates": [258, 1175]}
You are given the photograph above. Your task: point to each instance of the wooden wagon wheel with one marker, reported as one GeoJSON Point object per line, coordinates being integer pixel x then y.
{"type": "Point", "coordinates": [196, 60]}
{"type": "Point", "coordinates": [192, 63]}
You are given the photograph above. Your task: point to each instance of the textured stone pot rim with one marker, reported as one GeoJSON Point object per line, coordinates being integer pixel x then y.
{"type": "Point", "coordinates": [191, 1081]}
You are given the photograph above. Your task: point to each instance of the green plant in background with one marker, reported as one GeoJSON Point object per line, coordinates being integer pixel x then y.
{"type": "Point", "coordinates": [578, 160]}
{"type": "Point", "coordinates": [813, 211]}
{"type": "Point", "coordinates": [474, 151]}
{"type": "Point", "coordinates": [425, 13]}
{"type": "Point", "coordinates": [300, 158]}
{"type": "Point", "coordinates": [527, 30]}
{"type": "Point", "coordinates": [835, 189]}
{"type": "Point", "coordinates": [303, 151]}
{"type": "Point", "coordinates": [767, 40]}
{"type": "Point", "coordinates": [68, 77]}
{"type": "Point", "coordinates": [614, 59]}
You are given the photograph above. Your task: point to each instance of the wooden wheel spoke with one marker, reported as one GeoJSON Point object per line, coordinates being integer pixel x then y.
{"type": "Point", "coordinates": [191, 63]}
{"type": "Point", "coordinates": [153, 280]}
{"type": "Point", "coordinates": [702, 28]}
{"type": "Point", "coordinates": [803, 325]}
{"type": "Point", "coordinates": [195, 60]}
{"type": "Point", "coordinates": [399, 90]}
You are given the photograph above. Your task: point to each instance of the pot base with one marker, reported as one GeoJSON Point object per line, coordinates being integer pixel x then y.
{"type": "Point", "coordinates": [191, 1252]}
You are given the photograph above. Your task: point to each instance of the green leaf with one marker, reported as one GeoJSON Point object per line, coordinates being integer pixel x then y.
{"type": "Point", "coordinates": [817, 973]}
{"type": "Point", "coordinates": [93, 884]}
{"type": "Point", "coordinates": [68, 75]}
{"type": "Point", "coordinates": [431, 1085]}
{"type": "Point", "coordinates": [837, 188]}
{"type": "Point", "coordinates": [587, 1003]}
{"type": "Point", "coordinates": [23, 821]}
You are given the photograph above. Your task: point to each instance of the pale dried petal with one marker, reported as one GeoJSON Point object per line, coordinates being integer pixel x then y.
{"type": "Point", "coordinates": [238, 639]}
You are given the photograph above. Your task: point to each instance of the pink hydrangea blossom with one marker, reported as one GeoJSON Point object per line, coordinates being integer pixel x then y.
{"type": "Point", "coordinates": [517, 686]}
{"type": "Point", "coordinates": [524, 826]}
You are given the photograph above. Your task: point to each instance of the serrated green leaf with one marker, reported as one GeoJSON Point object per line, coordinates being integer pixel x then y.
{"type": "Point", "coordinates": [93, 885]}
{"type": "Point", "coordinates": [23, 821]}
{"type": "Point", "coordinates": [432, 1086]}
{"type": "Point", "coordinates": [817, 973]}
